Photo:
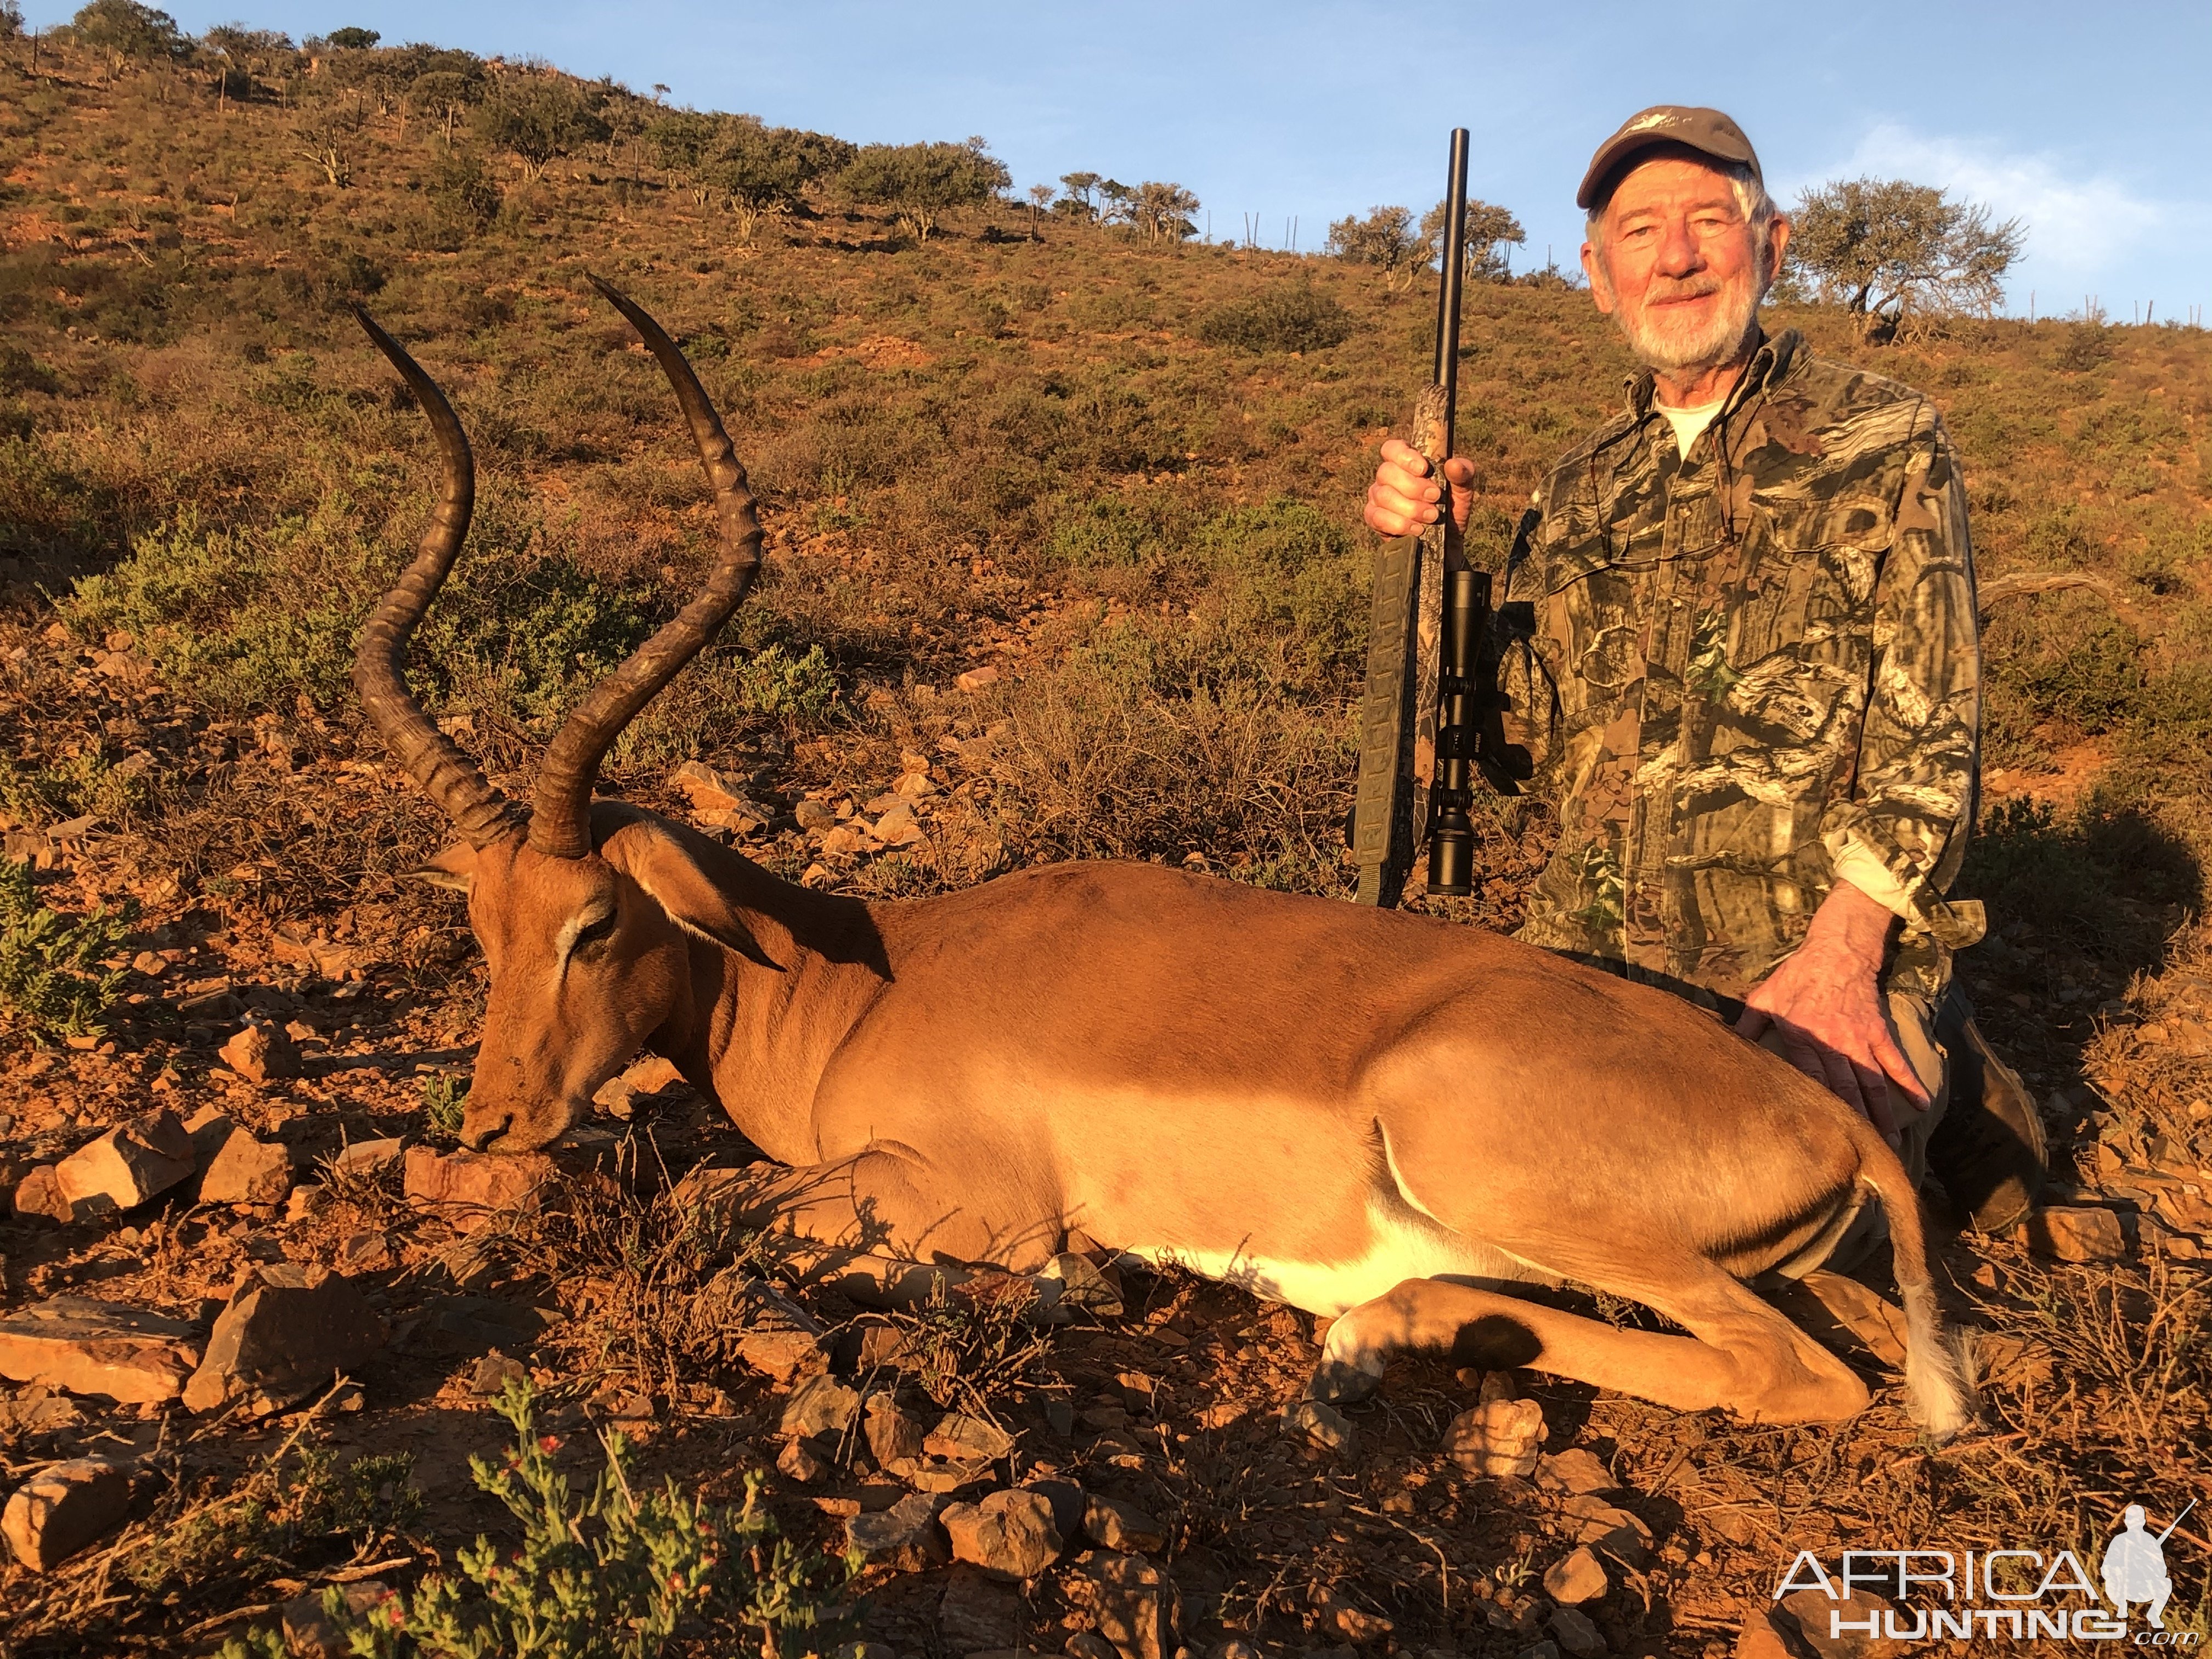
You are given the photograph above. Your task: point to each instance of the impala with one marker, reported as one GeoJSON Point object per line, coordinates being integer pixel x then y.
{"type": "Point", "coordinates": [1386, 1120]}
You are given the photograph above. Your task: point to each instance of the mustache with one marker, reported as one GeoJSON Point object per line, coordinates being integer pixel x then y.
{"type": "Point", "coordinates": [1662, 291]}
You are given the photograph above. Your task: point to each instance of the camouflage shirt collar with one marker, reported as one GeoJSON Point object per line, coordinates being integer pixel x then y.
{"type": "Point", "coordinates": [1771, 364]}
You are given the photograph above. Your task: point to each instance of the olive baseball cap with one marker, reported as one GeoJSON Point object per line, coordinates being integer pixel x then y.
{"type": "Point", "coordinates": [1705, 131]}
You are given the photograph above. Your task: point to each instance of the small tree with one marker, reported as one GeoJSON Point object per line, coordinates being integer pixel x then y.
{"type": "Point", "coordinates": [919, 183]}
{"type": "Point", "coordinates": [324, 135]}
{"type": "Point", "coordinates": [129, 32]}
{"type": "Point", "coordinates": [1489, 228]}
{"type": "Point", "coordinates": [537, 119]}
{"type": "Point", "coordinates": [1895, 253]}
{"type": "Point", "coordinates": [352, 40]}
{"type": "Point", "coordinates": [246, 53]}
{"type": "Point", "coordinates": [1162, 212]}
{"type": "Point", "coordinates": [766, 169]}
{"type": "Point", "coordinates": [446, 95]}
{"type": "Point", "coordinates": [1383, 239]}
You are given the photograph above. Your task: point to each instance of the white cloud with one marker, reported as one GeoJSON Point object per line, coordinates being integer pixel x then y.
{"type": "Point", "coordinates": [2083, 227]}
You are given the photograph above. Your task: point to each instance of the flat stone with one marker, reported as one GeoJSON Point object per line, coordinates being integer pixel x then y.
{"type": "Point", "coordinates": [1498, 1437]}
{"type": "Point", "coordinates": [80, 1346]}
{"type": "Point", "coordinates": [814, 815]}
{"type": "Point", "coordinates": [64, 1507]}
{"type": "Point", "coordinates": [286, 1335]}
{"type": "Point", "coordinates": [959, 1438]}
{"type": "Point", "coordinates": [131, 1163]}
{"type": "Point", "coordinates": [368, 1158]}
{"type": "Point", "coordinates": [820, 1404]}
{"type": "Point", "coordinates": [1575, 1470]}
{"type": "Point", "coordinates": [1577, 1634]}
{"type": "Point", "coordinates": [1114, 1525]}
{"type": "Point", "coordinates": [894, 1435]}
{"type": "Point", "coordinates": [466, 1189]}
{"type": "Point", "coordinates": [1325, 1425]}
{"type": "Point", "coordinates": [905, 1537]}
{"type": "Point", "coordinates": [245, 1170]}
{"type": "Point", "coordinates": [1131, 1602]}
{"type": "Point", "coordinates": [2083, 1234]}
{"type": "Point", "coordinates": [1010, 1534]}
{"type": "Point", "coordinates": [261, 1053]}
{"type": "Point", "coordinates": [976, 680]}
{"type": "Point", "coordinates": [1839, 1312]}
{"type": "Point", "coordinates": [39, 1193]}
{"type": "Point", "coordinates": [708, 790]}
{"type": "Point", "coordinates": [1576, 1577]}
{"type": "Point", "coordinates": [1612, 1530]}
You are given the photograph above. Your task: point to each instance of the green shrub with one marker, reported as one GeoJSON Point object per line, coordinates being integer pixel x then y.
{"type": "Point", "coordinates": [444, 1101]}
{"type": "Point", "coordinates": [1287, 316]}
{"type": "Point", "coordinates": [52, 983]}
{"type": "Point", "coordinates": [606, 1574]}
{"type": "Point", "coordinates": [774, 682]}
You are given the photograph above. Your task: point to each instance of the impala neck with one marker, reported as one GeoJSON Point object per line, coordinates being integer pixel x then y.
{"type": "Point", "coordinates": [761, 1036]}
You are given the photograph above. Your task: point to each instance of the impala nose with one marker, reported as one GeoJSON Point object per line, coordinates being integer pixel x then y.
{"type": "Point", "coordinates": [480, 1140]}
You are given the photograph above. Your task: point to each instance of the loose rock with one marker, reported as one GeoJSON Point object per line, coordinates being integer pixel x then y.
{"type": "Point", "coordinates": [800, 1462]}
{"type": "Point", "coordinates": [975, 679]}
{"type": "Point", "coordinates": [1614, 1531]}
{"type": "Point", "coordinates": [1497, 1438]}
{"type": "Point", "coordinates": [2083, 1234]}
{"type": "Point", "coordinates": [1009, 1533]}
{"type": "Point", "coordinates": [820, 1404]}
{"type": "Point", "coordinates": [1575, 1470]}
{"type": "Point", "coordinates": [286, 1333]}
{"type": "Point", "coordinates": [1130, 1601]}
{"type": "Point", "coordinates": [904, 1537]}
{"type": "Point", "coordinates": [82, 1345]}
{"type": "Point", "coordinates": [64, 1507]}
{"type": "Point", "coordinates": [39, 1193]}
{"type": "Point", "coordinates": [894, 1435]}
{"type": "Point", "coordinates": [1577, 1634]}
{"type": "Point", "coordinates": [959, 1438]}
{"type": "Point", "coordinates": [129, 1164]}
{"type": "Point", "coordinates": [261, 1054]}
{"type": "Point", "coordinates": [244, 1171]}
{"type": "Point", "coordinates": [1576, 1577]}
{"type": "Point", "coordinates": [1114, 1525]}
{"type": "Point", "coordinates": [977, 1615]}
{"type": "Point", "coordinates": [466, 1189]}
{"type": "Point", "coordinates": [365, 1159]}
{"type": "Point", "coordinates": [1818, 1622]}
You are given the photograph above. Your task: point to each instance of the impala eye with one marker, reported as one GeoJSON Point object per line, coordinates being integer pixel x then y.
{"type": "Point", "coordinates": [600, 928]}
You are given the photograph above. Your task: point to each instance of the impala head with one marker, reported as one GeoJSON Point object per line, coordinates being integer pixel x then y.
{"type": "Point", "coordinates": [585, 913]}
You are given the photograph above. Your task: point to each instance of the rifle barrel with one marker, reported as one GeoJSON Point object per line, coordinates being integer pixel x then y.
{"type": "Point", "coordinates": [1454, 260]}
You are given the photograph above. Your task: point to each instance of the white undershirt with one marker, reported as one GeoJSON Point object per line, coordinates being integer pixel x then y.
{"type": "Point", "coordinates": [1689, 422]}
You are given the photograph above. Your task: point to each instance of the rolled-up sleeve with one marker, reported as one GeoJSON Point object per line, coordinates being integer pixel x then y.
{"type": "Point", "coordinates": [1900, 832]}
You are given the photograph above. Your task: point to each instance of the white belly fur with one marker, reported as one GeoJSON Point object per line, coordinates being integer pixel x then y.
{"type": "Point", "coordinates": [1400, 1245]}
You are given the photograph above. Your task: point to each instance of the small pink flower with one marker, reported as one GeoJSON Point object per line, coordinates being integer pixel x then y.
{"type": "Point", "coordinates": [550, 1444]}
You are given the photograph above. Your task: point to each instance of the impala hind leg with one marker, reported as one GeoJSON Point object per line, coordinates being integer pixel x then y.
{"type": "Point", "coordinates": [1741, 1355]}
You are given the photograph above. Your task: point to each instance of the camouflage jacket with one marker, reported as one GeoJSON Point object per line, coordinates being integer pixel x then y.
{"type": "Point", "coordinates": [1745, 673]}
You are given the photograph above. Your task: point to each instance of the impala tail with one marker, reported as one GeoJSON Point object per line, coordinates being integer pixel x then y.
{"type": "Point", "coordinates": [1937, 1392]}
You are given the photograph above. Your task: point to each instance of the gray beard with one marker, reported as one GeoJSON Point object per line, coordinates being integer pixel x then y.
{"type": "Point", "coordinates": [1674, 351]}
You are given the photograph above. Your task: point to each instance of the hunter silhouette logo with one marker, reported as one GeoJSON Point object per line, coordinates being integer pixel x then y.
{"type": "Point", "coordinates": [2135, 1565]}
{"type": "Point", "coordinates": [1996, 1594]}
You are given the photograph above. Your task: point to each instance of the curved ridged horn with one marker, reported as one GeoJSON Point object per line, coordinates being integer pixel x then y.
{"type": "Point", "coordinates": [560, 807]}
{"type": "Point", "coordinates": [454, 782]}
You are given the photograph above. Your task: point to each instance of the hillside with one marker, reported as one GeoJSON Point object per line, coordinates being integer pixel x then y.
{"type": "Point", "coordinates": [1069, 521]}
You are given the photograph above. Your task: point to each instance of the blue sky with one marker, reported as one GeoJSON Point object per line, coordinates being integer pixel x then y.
{"type": "Point", "coordinates": [2088, 122]}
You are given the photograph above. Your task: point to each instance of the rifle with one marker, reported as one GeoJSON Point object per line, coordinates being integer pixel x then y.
{"type": "Point", "coordinates": [1421, 710]}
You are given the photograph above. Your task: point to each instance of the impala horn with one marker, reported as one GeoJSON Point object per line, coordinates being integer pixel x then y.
{"type": "Point", "coordinates": [560, 811]}
{"type": "Point", "coordinates": [454, 782]}
{"type": "Point", "coordinates": [559, 822]}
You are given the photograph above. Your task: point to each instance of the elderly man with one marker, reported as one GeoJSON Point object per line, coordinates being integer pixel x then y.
{"type": "Point", "coordinates": [1741, 644]}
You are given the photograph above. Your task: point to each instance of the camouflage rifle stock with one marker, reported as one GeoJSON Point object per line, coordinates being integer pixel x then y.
{"type": "Point", "coordinates": [1398, 716]}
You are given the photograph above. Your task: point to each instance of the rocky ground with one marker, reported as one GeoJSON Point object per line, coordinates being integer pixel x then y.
{"type": "Point", "coordinates": [242, 1234]}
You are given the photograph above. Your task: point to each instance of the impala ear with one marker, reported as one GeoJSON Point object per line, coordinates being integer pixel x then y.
{"type": "Point", "coordinates": [454, 868]}
{"type": "Point", "coordinates": [658, 862]}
